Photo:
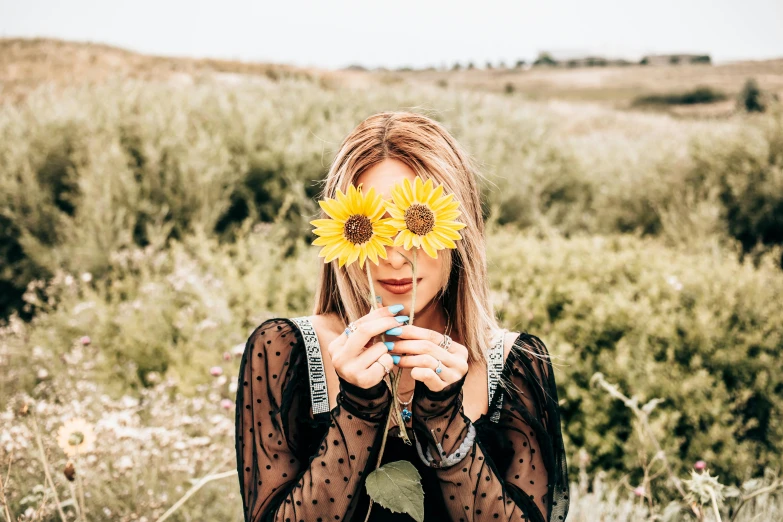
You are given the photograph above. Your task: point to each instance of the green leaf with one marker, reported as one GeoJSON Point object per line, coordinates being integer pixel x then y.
{"type": "Point", "coordinates": [397, 487]}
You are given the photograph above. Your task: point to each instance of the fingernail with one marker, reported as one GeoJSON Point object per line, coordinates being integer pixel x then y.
{"type": "Point", "coordinates": [389, 345]}
{"type": "Point", "coordinates": [396, 359]}
{"type": "Point", "coordinates": [394, 331]}
{"type": "Point", "coordinates": [378, 298]}
{"type": "Point", "coordinates": [396, 308]}
{"type": "Point", "coordinates": [402, 318]}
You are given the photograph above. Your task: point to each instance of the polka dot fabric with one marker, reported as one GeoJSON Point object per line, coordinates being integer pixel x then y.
{"type": "Point", "coordinates": [294, 467]}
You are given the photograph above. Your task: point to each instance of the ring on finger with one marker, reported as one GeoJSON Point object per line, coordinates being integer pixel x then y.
{"type": "Point", "coordinates": [352, 327]}
{"type": "Point", "coordinates": [387, 370]}
{"type": "Point", "coordinates": [440, 367]}
{"type": "Point", "coordinates": [446, 342]}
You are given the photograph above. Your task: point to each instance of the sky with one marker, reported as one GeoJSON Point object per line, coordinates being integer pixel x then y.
{"type": "Point", "coordinates": [338, 33]}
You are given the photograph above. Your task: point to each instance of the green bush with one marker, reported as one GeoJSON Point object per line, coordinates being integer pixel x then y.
{"type": "Point", "coordinates": [695, 328]}
{"type": "Point", "coordinates": [698, 329]}
{"type": "Point", "coordinates": [692, 97]}
{"type": "Point", "coordinates": [751, 97]}
{"type": "Point", "coordinates": [745, 172]}
{"type": "Point", "coordinates": [97, 169]}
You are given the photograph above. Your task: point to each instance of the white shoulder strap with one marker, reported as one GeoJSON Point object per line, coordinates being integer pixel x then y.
{"type": "Point", "coordinates": [494, 371]}
{"type": "Point", "coordinates": [319, 397]}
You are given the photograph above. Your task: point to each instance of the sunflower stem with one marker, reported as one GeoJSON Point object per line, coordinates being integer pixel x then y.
{"type": "Point", "coordinates": [373, 302]}
{"type": "Point", "coordinates": [413, 297]}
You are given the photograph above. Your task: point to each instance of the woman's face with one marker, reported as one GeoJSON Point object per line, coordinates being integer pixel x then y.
{"type": "Point", "coordinates": [429, 272]}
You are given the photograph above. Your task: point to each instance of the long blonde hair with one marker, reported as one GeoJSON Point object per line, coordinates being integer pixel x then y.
{"type": "Point", "coordinates": [430, 151]}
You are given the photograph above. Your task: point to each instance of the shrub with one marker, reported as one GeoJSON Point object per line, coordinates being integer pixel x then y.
{"type": "Point", "coordinates": [751, 97]}
{"type": "Point", "coordinates": [692, 97]}
{"type": "Point", "coordinates": [699, 330]}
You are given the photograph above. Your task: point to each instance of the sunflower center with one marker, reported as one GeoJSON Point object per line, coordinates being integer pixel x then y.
{"type": "Point", "coordinates": [419, 219]}
{"type": "Point", "coordinates": [358, 229]}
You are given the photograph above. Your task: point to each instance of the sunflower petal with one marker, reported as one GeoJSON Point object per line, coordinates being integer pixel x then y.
{"type": "Point", "coordinates": [334, 208]}
{"type": "Point", "coordinates": [449, 233]}
{"type": "Point", "coordinates": [354, 255]}
{"type": "Point", "coordinates": [447, 215]}
{"type": "Point", "coordinates": [320, 241]}
{"type": "Point", "coordinates": [435, 241]}
{"type": "Point", "coordinates": [434, 196]}
{"type": "Point", "coordinates": [418, 190]}
{"type": "Point", "coordinates": [443, 239]}
{"type": "Point", "coordinates": [453, 225]}
{"type": "Point", "coordinates": [407, 190]}
{"type": "Point", "coordinates": [327, 224]}
{"type": "Point", "coordinates": [408, 240]}
{"type": "Point", "coordinates": [427, 190]}
{"type": "Point", "coordinates": [429, 249]}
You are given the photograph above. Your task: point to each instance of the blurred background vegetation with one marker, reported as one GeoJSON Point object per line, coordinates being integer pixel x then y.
{"type": "Point", "coordinates": [161, 207]}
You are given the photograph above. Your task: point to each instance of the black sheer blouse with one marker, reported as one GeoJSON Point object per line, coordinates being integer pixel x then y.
{"type": "Point", "coordinates": [295, 466]}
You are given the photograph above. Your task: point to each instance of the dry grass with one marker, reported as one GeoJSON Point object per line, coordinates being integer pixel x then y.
{"type": "Point", "coordinates": [26, 63]}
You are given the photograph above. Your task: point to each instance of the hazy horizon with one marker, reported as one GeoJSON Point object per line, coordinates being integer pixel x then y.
{"type": "Point", "coordinates": [416, 35]}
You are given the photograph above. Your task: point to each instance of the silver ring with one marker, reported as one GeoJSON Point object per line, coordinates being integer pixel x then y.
{"type": "Point", "coordinates": [387, 370]}
{"type": "Point", "coordinates": [439, 368]}
{"type": "Point", "coordinates": [446, 342]}
{"type": "Point", "coordinates": [352, 327]}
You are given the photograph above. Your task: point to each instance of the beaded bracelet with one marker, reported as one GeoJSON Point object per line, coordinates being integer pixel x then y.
{"type": "Point", "coordinates": [452, 459]}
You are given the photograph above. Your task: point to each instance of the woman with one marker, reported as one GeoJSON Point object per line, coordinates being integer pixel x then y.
{"type": "Point", "coordinates": [313, 396]}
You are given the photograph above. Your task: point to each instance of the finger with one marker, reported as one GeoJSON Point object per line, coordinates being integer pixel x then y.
{"type": "Point", "coordinates": [371, 354]}
{"type": "Point", "coordinates": [429, 378]}
{"type": "Point", "coordinates": [382, 311]}
{"type": "Point", "coordinates": [447, 374]}
{"type": "Point", "coordinates": [366, 331]}
{"type": "Point", "coordinates": [378, 370]}
{"type": "Point", "coordinates": [458, 361]}
{"type": "Point", "coordinates": [414, 332]}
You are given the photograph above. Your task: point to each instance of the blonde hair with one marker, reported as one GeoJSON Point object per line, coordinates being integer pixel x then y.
{"type": "Point", "coordinates": [430, 151]}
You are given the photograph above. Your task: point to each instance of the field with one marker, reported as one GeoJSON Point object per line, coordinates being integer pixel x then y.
{"type": "Point", "coordinates": [154, 210]}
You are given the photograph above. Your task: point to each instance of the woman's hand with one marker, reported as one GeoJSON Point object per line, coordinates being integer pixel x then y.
{"type": "Point", "coordinates": [418, 349]}
{"type": "Point", "coordinates": [353, 360]}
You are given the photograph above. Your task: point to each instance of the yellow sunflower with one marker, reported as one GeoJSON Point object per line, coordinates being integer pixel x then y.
{"type": "Point", "coordinates": [355, 230]}
{"type": "Point", "coordinates": [424, 217]}
{"type": "Point", "coordinates": [76, 434]}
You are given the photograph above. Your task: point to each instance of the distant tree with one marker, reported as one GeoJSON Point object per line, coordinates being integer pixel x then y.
{"type": "Point", "coordinates": [702, 58]}
{"type": "Point", "coordinates": [674, 60]}
{"type": "Point", "coordinates": [572, 63]}
{"type": "Point", "coordinates": [456, 66]}
{"type": "Point", "coordinates": [644, 61]}
{"type": "Point", "coordinates": [501, 64]}
{"type": "Point", "coordinates": [520, 64]}
{"type": "Point", "coordinates": [751, 98]}
{"type": "Point", "coordinates": [545, 59]}
{"type": "Point", "coordinates": [489, 65]}
{"type": "Point", "coordinates": [471, 65]}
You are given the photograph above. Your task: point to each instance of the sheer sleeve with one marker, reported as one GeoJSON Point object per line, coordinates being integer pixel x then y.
{"type": "Point", "coordinates": [530, 480]}
{"type": "Point", "coordinates": [279, 480]}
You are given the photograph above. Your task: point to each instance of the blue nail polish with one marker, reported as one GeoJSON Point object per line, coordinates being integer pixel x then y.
{"type": "Point", "coordinates": [378, 299]}
{"type": "Point", "coordinates": [396, 308]}
{"type": "Point", "coordinates": [394, 331]}
{"type": "Point", "coordinates": [389, 345]}
{"type": "Point", "coordinates": [402, 318]}
{"type": "Point", "coordinates": [396, 359]}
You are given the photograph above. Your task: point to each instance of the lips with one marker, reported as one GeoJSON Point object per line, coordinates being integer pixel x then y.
{"type": "Point", "coordinates": [398, 286]}
{"type": "Point", "coordinates": [404, 281]}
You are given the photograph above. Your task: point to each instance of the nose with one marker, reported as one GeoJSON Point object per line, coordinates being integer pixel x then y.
{"type": "Point", "coordinates": [394, 257]}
